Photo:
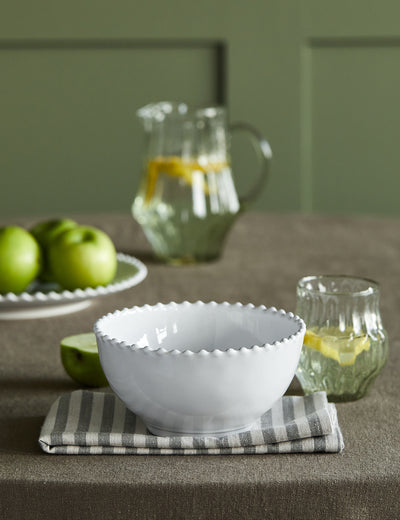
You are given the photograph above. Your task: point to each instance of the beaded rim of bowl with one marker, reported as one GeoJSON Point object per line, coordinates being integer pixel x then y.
{"type": "Point", "coordinates": [161, 351]}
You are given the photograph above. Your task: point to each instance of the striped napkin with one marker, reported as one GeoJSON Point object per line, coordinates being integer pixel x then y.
{"type": "Point", "coordinates": [84, 422]}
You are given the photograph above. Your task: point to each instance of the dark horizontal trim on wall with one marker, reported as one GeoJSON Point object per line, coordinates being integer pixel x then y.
{"type": "Point", "coordinates": [107, 43]}
{"type": "Point", "coordinates": [356, 41]}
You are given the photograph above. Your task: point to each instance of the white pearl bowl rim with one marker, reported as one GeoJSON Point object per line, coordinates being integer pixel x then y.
{"type": "Point", "coordinates": [161, 351]}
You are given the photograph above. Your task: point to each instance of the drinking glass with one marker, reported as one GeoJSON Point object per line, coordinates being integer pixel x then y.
{"type": "Point", "coordinates": [345, 346]}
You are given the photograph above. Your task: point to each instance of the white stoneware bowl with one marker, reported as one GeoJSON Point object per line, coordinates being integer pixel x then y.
{"type": "Point", "coordinates": [199, 368]}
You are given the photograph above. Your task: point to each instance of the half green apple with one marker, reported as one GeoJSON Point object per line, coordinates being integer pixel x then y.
{"type": "Point", "coordinates": [80, 358]}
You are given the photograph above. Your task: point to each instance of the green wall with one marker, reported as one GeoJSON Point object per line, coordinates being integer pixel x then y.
{"type": "Point", "coordinates": [319, 79]}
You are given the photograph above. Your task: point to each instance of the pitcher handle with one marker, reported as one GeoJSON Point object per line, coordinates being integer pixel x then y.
{"type": "Point", "coordinates": [264, 153]}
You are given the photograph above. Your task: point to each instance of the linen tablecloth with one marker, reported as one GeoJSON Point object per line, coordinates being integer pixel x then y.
{"type": "Point", "coordinates": [264, 257]}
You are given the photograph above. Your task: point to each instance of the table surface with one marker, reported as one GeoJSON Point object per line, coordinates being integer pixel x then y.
{"type": "Point", "coordinates": [264, 257]}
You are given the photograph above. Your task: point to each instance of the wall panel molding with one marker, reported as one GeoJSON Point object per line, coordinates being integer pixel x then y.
{"type": "Point", "coordinates": [310, 91]}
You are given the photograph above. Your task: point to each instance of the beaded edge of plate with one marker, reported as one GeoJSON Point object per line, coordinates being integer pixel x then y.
{"type": "Point", "coordinates": [82, 294]}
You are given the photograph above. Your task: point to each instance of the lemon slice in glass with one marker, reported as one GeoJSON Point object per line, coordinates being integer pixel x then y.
{"type": "Point", "coordinates": [342, 346]}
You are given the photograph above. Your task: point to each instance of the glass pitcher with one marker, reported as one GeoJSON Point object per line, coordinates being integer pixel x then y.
{"type": "Point", "coordinates": [187, 200]}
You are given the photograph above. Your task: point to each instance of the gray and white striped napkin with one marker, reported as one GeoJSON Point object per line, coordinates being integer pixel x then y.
{"type": "Point", "coordinates": [84, 422]}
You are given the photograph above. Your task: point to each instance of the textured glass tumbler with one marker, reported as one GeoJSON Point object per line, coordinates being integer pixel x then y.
{"type": "Point", "coordinates": [345, 346]}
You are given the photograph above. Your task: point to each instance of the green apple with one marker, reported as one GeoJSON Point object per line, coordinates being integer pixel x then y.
{"type": "Point", "coordinates": [45, 232]}
{"type": "Point", "coordinates": [82, 257]}
{"type": "Point", "coordinates": [80, 359]}
{"type": "Point", "coordinates": [20, 259]}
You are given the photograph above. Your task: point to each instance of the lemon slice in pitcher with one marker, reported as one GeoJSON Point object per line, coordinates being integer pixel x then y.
{"type": "Point", "coordinates": [175, 166]}
{"type": "Point", "coordinates": [342, 346]}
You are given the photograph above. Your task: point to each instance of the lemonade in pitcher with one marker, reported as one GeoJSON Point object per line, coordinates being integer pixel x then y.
{"type": "Point", "coordinates": [186, 208]}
